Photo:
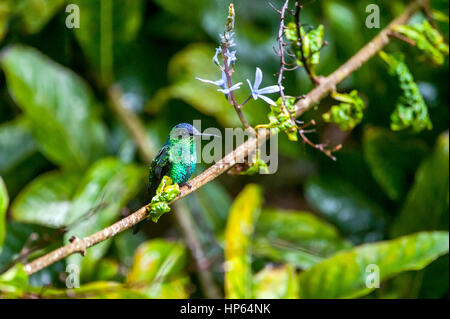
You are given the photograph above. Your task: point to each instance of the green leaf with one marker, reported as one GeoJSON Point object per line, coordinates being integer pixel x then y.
{"type": "Point", "coordinates": [392, 159]}
{"type": "Point", "coordinates": [93, 290]}
{"type": "Point", "coordinates": [280, 119]}
{"type": "Point", "coordinates": [299, 238]}
{"type": "Point", "coordinates": [16, 143]}
{"type": "Point", "coordinates": [14, 282]}
{"type": "Point", "coordinates": [107, 270]}
{"type": "Point", "coordinates": [411, 112]}
{"type": "Point", "coordinates": [158, 269]}
{"type": "Point", "coordinates": [46, 201]}
{"type": "Point", "coordinates": [345, 206]}
{"type": "Point", "coordinates": [243, 215]}
{"type": "Point", "coordinates": [58, 104]}
{"type": "Point", "coordinates": [4, 201]}
{"type": "Point", "coordinates": [105, 290]}
{"type": "Point", "coordinates": [107, 27]}
{"type": "Point", "coordinates": [345, 274]}
{"type": "Point", "coordinates": [17, 235]}
{"type": "Point", "coordinates": [107, 186]}
{"type": "Point", "coordinates": [165, 194]}
{"type": "Point", "coordinates": [5, 16]}
{"type": "Point", "coordinates": [276, 283]}
{"type": "Point", "coordinates": [126, 244]}
{"type": "Point", "coordinates": [32, 15]}
{"type": "Point", "coordinates": [344, 24]}
{"type": "Point", "coordinates": [348, 113]}
{"type": "Point", "coordinates": [426, 205]}
{"type": "Point", "coordinates": [427, 39]}
{"type": "Point", "coordinates": [312, 44]}
{"type": "Point", "coordinates": [35, 14]}
{"type": "Point", "coordinates": [215, 203]}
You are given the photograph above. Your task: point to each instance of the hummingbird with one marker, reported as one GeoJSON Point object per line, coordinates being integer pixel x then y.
{"type": "Point", "coordinates": [176, 159]}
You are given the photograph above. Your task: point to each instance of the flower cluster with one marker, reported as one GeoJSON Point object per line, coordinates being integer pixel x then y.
{"type": "Point", "coordinates": [229, 59]}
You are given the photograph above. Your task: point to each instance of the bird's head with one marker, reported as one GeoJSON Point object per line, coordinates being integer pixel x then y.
{"type": "Point", "coordinates": [185, 130]}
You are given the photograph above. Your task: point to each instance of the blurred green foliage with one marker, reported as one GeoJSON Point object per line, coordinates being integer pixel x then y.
{"type": "Point", "coordinates": [69, 167]}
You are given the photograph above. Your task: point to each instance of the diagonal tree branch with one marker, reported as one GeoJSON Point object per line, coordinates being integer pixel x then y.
{"type": "Point", "coordinates": [327, 85]}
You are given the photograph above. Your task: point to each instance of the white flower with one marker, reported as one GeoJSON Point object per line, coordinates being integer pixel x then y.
{"type": "Point", "coordinates": [259, 93]}
{"type": "Point", "coordinates": [223, 84]}
{"type": "Point", "coordinates": [231, 56]}
{"type": "Point", "coordinates": [215, 59]}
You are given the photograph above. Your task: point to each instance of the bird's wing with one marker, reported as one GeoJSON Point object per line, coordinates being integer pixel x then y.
{"type": "Point", "coordinates": [159, 167]}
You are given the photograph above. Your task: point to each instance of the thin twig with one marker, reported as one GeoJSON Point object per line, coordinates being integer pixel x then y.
{"type": "Point", "coordinates": [312, 76]}
{"type": "Point", "coordinates": [281, 44]}
{"type": "Point", "coordinates": [240, 153]}
{"type": "Point", "coordinates": [232, 97]}
{"type": "Point", "coordinates": [401, 37]}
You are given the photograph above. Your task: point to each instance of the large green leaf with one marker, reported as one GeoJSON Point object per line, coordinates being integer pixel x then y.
{"type": "Point", "coordinates": [299, 238]}
{"type": "Point", "coordinates": [14, 282]}
{"type": "Point", "coordinates": [46, 201]}
{"type": "Point", "coordinates": [346, 274]}
{"type": "Point", "coordinates": [17, 236]}
{"type": "Point", "coordinates": [106, 27]}
{"type": "Point", "coordinates": [158, 269]}
{"type": "Point", "coordinates": [215, 203]}
{"type": "Point", "coordinates": [5, 15]}
{"type": "Point", "coordinates": [346, 207]}
{"type": "Point", "coordinates": [243, 215]}
{"type": "Point", "coordinates": [95, 290]}
{"type": "Point", "coordinates": [276, 283]}
{"type": "Point", "coordinates": [32, 15]}
{"type": "Point", "coordinates": [58, 104]}
{"type": "Point", "coordinates": [391, 159]}
{"type": "Point", "coordinates": [209, 208]}
{"type": "Point", "coordinates": [4, 202]}
{"type": "Point", "coordinates": [344, 21]}
{"type": "Point", "coordinates": [16, 143]}
{"type": "Point", "coordinates": [426, 206]}
{"type": "Point", "coordinates": [126, 244]}
{"type": "Point", "coordinates": [107, 186]}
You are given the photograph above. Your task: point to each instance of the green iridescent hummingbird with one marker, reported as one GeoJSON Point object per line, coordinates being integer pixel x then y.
{"type": "Point", "coordinates": [176, 159]}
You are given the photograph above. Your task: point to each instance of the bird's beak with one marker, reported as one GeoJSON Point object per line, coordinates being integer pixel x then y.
{"type": "Point", "coordinates": [203, 134]}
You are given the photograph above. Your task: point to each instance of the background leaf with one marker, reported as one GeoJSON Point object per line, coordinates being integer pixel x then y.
{"type": "Point", "coordinates": [344, 275]}
{"type": "Point", "coordinates": [46, 201]}
{"type": "Point", "coordinates": [346, 207]}
{"type": "Point", "coordinates": [104, 190]}
{"type": "Point", "coordinates": [58, 104]}
{"type": "Point", "coordinates": [4, 202]}
{"type": "Point", "coordinates": [13, 282]}
{"type": "Point", "coordinates": [426, 206]}
{"type": "Point", "coordinates": [158, 269]}
{"type": "Point", "coordinates": [391, 159]}
{"type": "Point", "coordinates": [299, 238]}
{"type": "Point", "coordinates": [16, 143]}
{"type": "Point", "coordinates": [243, 215]}
{"type": "Point", "coordinates": [276, 283]}
{"type": "Point", "coordinates": [107, 27]}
